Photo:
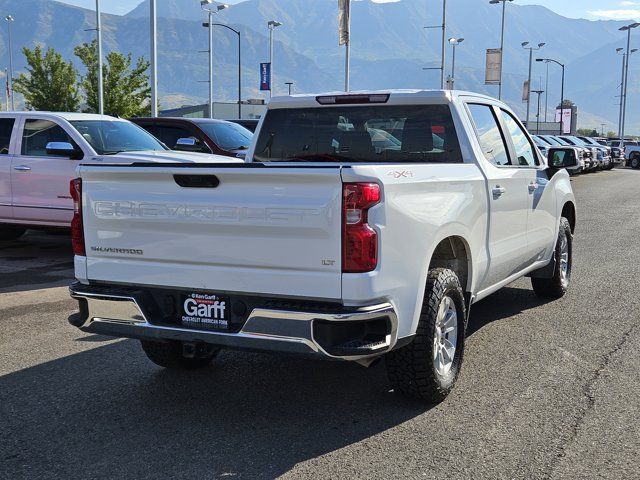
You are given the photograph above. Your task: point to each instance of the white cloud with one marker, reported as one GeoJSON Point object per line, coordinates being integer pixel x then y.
{"type": "Point", "coordinates": [629, 4]}
{"type": "Point", "coordinates": [620, 14]}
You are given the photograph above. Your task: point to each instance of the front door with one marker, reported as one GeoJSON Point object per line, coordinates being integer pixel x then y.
{"type": "Point", "coordinates": [41, 181]}
{"type": "Point", "coordinates": [541, 208]}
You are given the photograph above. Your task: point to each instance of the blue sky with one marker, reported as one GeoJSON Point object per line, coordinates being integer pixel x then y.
{"type": "Point", "coordinates": [591, 9]}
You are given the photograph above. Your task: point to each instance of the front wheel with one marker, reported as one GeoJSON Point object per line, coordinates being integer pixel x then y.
{"type": "Point", "coordinates": [635, 162]}
{"type": "Point", "coordinates": [558, 285]}
{"type": "Point", "coordinates": [428, 367]}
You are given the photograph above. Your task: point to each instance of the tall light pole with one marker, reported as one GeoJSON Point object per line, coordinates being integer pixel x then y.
{"type": "Point", "coordinates": [504, 9]}
{"type": "Point", "coordinates": [100, 79]}
{"type": "Point", "coordinates": [454, 42]}
{"type": "Point", "coordinates": [272, 24]}
{"type": "Point", "coordinates": [546, 95]}
{"type": "Point", "coordinates": [153, 15]}
{"type": "Point", "coordinates": [624, 62]}
{"type": "Point", "coordinates": [10, 19]}
{"type": "Point", "coordinates": [539, 92]}
{"type": "Point", "coordinates": [237, 32]}
{"type": "Point", "coordinates": [626, 28]}
{"type": "Point", "coordinates": [443, 54]}
{"type": "Point", "coordinates": [526, 46]}
{"type": "Point", "coordinates": [209, 25]}
{"type": "Point", "coordinates": [561, 90]}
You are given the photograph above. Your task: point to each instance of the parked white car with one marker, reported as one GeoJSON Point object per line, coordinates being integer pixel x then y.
{"type": "Point", "coordinates": [325, 243]}
{"type": "Point", "coordinates": [39, 154]}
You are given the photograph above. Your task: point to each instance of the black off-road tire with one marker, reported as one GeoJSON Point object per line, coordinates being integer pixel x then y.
{"type": "Point", "coordinates": [411, 369]}
{"type": "Point", "coordinates": [635, 161]}
{"type": "Point", "coordinates": [170, 355]}
{"type": "Point", "coordinates": [557, 287]}
{"type": "Point", "coordinates": [9, 232]}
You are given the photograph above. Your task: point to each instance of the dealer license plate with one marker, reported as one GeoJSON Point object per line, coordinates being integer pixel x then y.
{"type": "Point", "coordinates": [205, 311]}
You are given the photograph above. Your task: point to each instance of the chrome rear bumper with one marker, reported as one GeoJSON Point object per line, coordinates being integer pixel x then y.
{"type": "Point", "coordinates": [122, 315]}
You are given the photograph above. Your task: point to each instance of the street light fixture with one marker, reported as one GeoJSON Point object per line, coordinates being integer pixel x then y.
{"type": "Point", "coordinates": [272, 25]}
{"type": "Point", "coordinates": [10, 20]}
{"type": "Point", "coordinates": [289, 84]}
{"type": "Point", "coordinates": [625, 81]}
{"type": "Point", "coordinates": [215, 8]}
{"type": "Point", "coordinates": [526, 46]}
{"type": "Point", "coordinates": [454, 42]}
{"type": "Point", "coordinates": [504, 8]}
{"type": "Point", "coordinates": [562, 89]}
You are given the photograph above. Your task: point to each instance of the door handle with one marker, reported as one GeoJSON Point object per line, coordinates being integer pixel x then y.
{"type": "Point", "coordinates": [498, 191]}
{"type": "Point", "coordinates": [533, 186]}
{"type": "Point", "coordinates": [22, 168]}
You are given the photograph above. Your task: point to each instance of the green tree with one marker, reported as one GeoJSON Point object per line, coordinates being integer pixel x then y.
{"type": "Point", "coordinates": [588, 132]}
{"type": "Point", "coordinates": [50, 83]}
{"type": "Point", "coordinates": [126, 87]}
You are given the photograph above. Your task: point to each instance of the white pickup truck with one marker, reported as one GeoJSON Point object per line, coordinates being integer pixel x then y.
{"type": "Point", "coordinates": [363, 226]}
{"type": "Point", "coordinates": [39, 154]}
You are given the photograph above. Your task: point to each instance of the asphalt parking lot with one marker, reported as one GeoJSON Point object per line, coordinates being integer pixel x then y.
{"type": "Point", "coordinates": [548, 390]}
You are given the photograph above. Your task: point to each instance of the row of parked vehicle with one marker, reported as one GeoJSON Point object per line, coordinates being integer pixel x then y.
{"type": "Point", "coordinates": [628, 149]}
{"type": "Point", "coordinates": [591, 154]}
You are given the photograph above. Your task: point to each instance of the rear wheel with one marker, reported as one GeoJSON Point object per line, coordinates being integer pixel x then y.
{"type": "Point", "coordinates": [635, 161]}
{"type": "Point", "coordinates": [558, 285]}
{"type": "Point", "coordinates": [172, 355]}
{"type": "Point", "coordinates": [9, 232]}
{"type": "Point", "coordinates": [428, 367]}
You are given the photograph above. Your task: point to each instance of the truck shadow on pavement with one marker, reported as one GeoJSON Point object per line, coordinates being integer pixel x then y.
{"type": "Point", "coordinates": [108, 412]}
{"type": "Point", "coordinates": [505, 303]}
{"type": "Point", "coordinates": [39, 259]}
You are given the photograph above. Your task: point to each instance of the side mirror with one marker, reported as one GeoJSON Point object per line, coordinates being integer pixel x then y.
{"type": "Point", "coordinates": [562, 158]}
{"type": "Point", "coordinates": [63, 149]}
{"type": "Point", "coordinates": [189, 144]}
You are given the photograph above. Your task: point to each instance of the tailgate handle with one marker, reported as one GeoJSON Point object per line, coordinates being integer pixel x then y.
{"type": "Point", "coordinates": [197, 181]}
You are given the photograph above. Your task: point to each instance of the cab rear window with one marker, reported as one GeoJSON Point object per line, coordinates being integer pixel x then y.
{"type": "Point", "coordinates": [380, 134]}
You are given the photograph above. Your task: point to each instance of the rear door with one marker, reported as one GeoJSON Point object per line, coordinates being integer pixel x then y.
{"type": "Point", "coordinates": [6, 129]}
{"type": "Point", "coordinates": [508, 197]}
{"type": "Point", "coordinates": [40, 182]}
{"type": "Point", "coordinates": [270, 230]}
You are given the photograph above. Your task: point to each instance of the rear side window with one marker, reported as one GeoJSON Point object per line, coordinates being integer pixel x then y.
{"type": "Point", "coordinates": [38, 133]}
{"type": "Point", "coordinates": [489, 134]}
{"type": "Point", "coordinates": [6, 127]}
{"type": "Point", "coordinates": [380, 134]}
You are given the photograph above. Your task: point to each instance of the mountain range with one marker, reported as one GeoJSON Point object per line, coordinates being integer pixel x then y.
{"type": "Point", "coordinates": [390, 47]}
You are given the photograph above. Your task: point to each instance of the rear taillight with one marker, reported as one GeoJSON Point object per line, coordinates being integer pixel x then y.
{"type": "Point", "coordinates": [359, 240]}
{"type": "Point", "coordinates": [77, 232]}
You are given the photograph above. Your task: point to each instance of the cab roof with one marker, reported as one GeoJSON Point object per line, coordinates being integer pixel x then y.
{"type": "Point", "coordinates": [396, 97]}
{"type": "Point", "coordinates": [69, 116]}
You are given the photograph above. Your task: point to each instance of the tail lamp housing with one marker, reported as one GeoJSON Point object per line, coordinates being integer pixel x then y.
{"type": "Point", "coordinates": [359, 239]}
{"type": "Point", "coordinates": [77, 231]}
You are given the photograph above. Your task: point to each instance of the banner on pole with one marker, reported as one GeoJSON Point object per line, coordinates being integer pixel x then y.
{"type": "Point", "coordinates": [344, 10]}
{"type": "Point", "coordinates": [565, 117]}
{"type": "Point", "coordinates": [525, 91]}
{"type": "Point", "coordinates": [493, 68]}
{"type": "Point", "coordinates": [265, 76]}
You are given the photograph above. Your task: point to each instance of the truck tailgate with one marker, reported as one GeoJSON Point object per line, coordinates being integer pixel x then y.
{"type": "Point", "coordinates": [251, 229]}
